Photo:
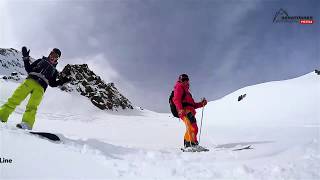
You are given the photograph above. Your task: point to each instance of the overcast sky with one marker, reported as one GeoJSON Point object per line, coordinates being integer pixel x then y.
{"type": "Point", "coordinates": [143, 45]}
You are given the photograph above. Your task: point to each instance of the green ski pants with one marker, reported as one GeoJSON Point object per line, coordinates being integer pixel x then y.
{"type": "Point", "coordinates": [29, 86]}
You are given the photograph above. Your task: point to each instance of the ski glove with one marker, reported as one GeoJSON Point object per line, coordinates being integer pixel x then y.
{"type": "Point", "coordinates": [204, 102]}
{"type": "Point", "coordinates": [25, 52]}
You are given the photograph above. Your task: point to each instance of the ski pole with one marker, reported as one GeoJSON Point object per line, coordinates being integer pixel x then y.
{"type": "Point", "coordinates": [201, 122]}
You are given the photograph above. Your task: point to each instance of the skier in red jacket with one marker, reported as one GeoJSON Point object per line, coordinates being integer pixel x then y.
{"type": "Point", "coordinates": [186, 109]}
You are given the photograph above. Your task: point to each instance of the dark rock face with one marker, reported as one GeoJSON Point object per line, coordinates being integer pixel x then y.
{"type": "Point", "coordinates": [14, 77]}
{"type": "Point", "coordinates": [88, 84]}
{"type": "Point", "coordinates": [241, 97]}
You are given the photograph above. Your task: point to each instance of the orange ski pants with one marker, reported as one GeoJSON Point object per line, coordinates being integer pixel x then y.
{"type": "Point", "coordinates": [191, 128]}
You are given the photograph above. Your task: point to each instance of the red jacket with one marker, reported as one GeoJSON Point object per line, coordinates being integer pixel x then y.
{"type": "Point", "coordinates": [179, 88]}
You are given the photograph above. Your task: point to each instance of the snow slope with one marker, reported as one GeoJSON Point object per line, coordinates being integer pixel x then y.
{"type": "Point", "coordinates": [279, 119]}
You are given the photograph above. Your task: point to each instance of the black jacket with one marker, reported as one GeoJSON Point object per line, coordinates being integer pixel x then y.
{"type": "Point", "coordinates": [43, 72]}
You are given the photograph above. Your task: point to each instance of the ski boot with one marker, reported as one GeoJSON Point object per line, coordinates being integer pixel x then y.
{"type": "Point", "coordinates": [24, 126]}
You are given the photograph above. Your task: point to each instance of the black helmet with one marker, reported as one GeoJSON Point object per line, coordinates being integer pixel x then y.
{"type": "Point", "coordinates": [57, 51]}
{"type": "Point", "coordinates": [183, 77]}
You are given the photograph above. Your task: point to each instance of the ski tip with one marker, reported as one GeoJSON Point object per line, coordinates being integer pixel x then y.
{"type": "Point", "coordinates": [243, 148]}
{"type": "Point", "coordinates": [49, 136]}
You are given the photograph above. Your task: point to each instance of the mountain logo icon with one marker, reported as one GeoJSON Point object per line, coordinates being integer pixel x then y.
{"type": "Point", "coordinates": [280, 15]}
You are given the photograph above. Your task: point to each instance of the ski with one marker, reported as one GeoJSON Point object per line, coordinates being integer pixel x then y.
{"type": "Point", "coordinates": [237, 148]}
{"type": "Point", "coordinates": [202, 149]}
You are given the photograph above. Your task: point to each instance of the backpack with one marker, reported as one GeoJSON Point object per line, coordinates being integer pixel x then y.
{"type": "Point", "coordinates": [173, 106]}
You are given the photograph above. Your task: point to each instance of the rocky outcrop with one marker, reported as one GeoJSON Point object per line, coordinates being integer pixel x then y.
{"type": "Point", "coordinates": [88, 84]}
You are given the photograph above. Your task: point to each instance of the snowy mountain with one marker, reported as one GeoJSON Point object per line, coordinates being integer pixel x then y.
{"type": "Point", "coordinates": [11, 61]}
{"type": "Point", "coordinates": [280, 120]}
{"type": "Point", "coordinates": [280, 103]}
{"type": "Point", "coordinates": [11, 65]}
{"type": "Point", "coordinates": [84, 81]}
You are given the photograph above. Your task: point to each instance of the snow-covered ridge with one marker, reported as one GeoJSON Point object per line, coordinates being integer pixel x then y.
{"type": "Point", "coordinates": [289, 103]}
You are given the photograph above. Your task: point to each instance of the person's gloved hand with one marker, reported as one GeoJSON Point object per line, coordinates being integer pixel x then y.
{"type": "Point", "coordinates": [182, 113]}
{"type": "Point", "coordinates": [204, 102]}
{"type": "Point", "coordinates": [25, 52]}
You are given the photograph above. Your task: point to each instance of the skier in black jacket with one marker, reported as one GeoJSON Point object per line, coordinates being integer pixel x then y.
{"type": "Point", "coordinates": [41, 73]}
